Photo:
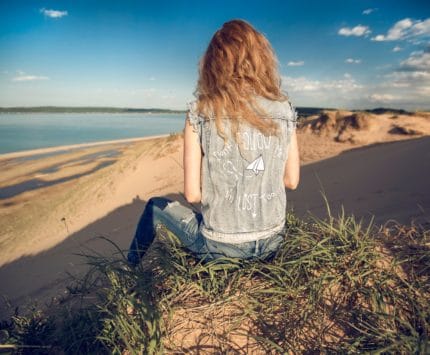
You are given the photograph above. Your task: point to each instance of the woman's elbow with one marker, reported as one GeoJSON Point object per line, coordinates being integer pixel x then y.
{"type": "Point", "coordinates": [292, 185]}
{"type": "Point", "coordinates": [193, 197]}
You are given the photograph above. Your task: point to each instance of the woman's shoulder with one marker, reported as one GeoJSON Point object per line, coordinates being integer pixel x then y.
{"type": "Point", "coordinates": [278, 109]}
{"type": "Point", "coordinates": [192, 107]}
{"type": "Point", "coordinates": [192, 114]}
{"type": "Point", "coordinates": [196, 118]}
{"type": "Point", "coordinates": [274, 109]}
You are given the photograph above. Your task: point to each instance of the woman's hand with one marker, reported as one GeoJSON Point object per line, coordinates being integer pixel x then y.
{"type": "Point", "coordinates": [192, 164]}
{"type": "Point", "coordinates": [292, 166]}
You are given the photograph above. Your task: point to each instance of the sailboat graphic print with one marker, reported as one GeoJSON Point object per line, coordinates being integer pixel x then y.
{"type": "Point", "coordinates": [257, 165]}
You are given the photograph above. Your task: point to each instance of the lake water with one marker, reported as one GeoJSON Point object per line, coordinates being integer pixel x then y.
{"type": "Point", "coordinates": [24, 131]}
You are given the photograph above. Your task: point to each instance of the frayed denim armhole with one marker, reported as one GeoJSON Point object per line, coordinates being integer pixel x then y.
{"type": "Point", "coordinates": [194, 119]}
{"type": "Point", "coordinates": [293, 118]}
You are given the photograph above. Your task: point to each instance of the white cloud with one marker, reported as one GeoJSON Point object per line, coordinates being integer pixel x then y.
{"type": "Point", "coordinates": [53, 13]}
{"type": "Point", "coordinates": [339, 92]}
{"type": "Point", "coordinates": [378, 38]}
{"type": "Point", "coordinates": [410, 82]}
{"type": "Point", "coordinates": [25, 77]}
{"type": "Point", "coordinates": [383, 98]}
{"type": "Point", "coordinates": [296, 64]}
{"type": "Point", "coordinates": [397, 49]}
{"type": "Point", "coordinates": [417, 61]}
{"type": "Point", "coordinates": [406, 86]}
{"type": "Point", "coordinates": [300, 84]}
{"type": "Point", "coordinates": [405, 29]}
{"type": "Point", "coordinates": [352, 61]}
{"type": "Point", "coordinates": [417, 82]}
{"type": "Point", "coordinates": [369, 11]}
{"type": "Point", "coordinates": [29, 78]}
{"type": "Point", "coordinates": [357, 31]}
{"type": "Point", "coordinates": [151, 78]}
{"type": "Point", "coordinates": [421, 28]}
{"type": "Point", "coordinates": [408, 78]}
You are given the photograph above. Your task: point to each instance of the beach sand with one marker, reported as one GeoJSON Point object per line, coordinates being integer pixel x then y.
{"type": "Point", "coordinates": [56, 203]}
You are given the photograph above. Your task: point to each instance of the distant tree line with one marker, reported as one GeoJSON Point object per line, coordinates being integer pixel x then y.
{"type": "Point", "coordinates": [302, 111]}
{"type": "Point", "coordinates": [84, 109]}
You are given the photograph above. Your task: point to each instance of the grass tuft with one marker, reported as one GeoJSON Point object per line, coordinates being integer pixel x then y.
{"type": "Point", "coordinates": [335, 285]}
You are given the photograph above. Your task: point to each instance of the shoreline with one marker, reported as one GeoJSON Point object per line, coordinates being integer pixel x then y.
{"type": "Point", "coordinates": [56, 208]}
{"type": "Point", "coordinates": [25, 153]}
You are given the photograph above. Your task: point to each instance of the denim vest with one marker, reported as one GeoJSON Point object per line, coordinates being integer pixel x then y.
{"type": "Point", "coordinates": [243, 191]}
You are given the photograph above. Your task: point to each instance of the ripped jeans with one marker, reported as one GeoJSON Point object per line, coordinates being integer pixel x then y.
{"type": "Point", "coordinates": [185, 224]}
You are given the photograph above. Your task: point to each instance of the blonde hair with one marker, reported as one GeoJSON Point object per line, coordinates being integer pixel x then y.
{"type": "Point", "coordinates": [238, 64]}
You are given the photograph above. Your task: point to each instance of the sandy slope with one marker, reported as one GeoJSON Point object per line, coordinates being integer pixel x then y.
{"type": "Point", "coordinates": [76, 196]}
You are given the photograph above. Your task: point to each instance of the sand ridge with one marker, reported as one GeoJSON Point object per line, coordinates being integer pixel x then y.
{"type": "Point", "coordinates": [75, 195]}
{"type": "Point", "coordinates": [56, 205]}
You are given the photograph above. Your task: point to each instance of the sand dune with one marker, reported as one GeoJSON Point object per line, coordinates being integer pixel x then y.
{"type": "Point", "coordinates": [364, 128]}
{"type": "Point", "coordinates": [54, 206]}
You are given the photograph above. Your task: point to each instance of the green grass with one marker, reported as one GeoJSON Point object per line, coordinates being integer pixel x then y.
{"type": "Point", "coordinates": [335, 286]}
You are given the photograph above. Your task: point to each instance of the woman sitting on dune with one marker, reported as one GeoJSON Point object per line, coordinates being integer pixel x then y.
{"type": "Point", "coordinates": [240, 152]}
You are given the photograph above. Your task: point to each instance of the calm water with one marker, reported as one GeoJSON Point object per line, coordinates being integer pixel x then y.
{"type": "Point", "coordinates": [23, 131]}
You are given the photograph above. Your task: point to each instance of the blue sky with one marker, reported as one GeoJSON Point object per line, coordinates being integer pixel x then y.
{"type": "Point", "coordinates": [346, 54]}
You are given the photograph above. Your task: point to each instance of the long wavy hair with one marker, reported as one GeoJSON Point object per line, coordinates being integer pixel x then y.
{"type": "Point", "coordinates": [238, 64]}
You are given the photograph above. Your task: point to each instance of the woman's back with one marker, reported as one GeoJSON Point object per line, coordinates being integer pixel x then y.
{"type": "Point", "coordinates": [243, 193]}
{"type": "Point", "coordinates": [238, 134]}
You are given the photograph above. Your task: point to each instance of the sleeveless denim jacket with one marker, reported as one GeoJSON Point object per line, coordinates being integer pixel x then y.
{"type": "Point", "coordinates": [243, 192]}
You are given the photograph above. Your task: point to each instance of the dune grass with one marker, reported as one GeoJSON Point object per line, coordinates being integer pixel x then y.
{"type": "Point", "coordinates": [334, 286]}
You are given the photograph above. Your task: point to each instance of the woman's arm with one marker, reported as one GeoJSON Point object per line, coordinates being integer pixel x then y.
{"type": "Point", "coordinates": [192, 164]}
{"type": "Point", "coordinates": [292, 166]}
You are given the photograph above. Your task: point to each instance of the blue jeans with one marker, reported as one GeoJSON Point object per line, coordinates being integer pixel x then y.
{"type": "Point", "coordinates": [184, 223]}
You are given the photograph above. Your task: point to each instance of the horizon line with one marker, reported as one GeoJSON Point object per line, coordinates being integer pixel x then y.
{"type": "Point", "coordinates": [3, 108]}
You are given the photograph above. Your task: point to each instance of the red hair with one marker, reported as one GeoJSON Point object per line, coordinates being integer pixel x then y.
{"type": "Point", "coordinates": [238, 64]}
